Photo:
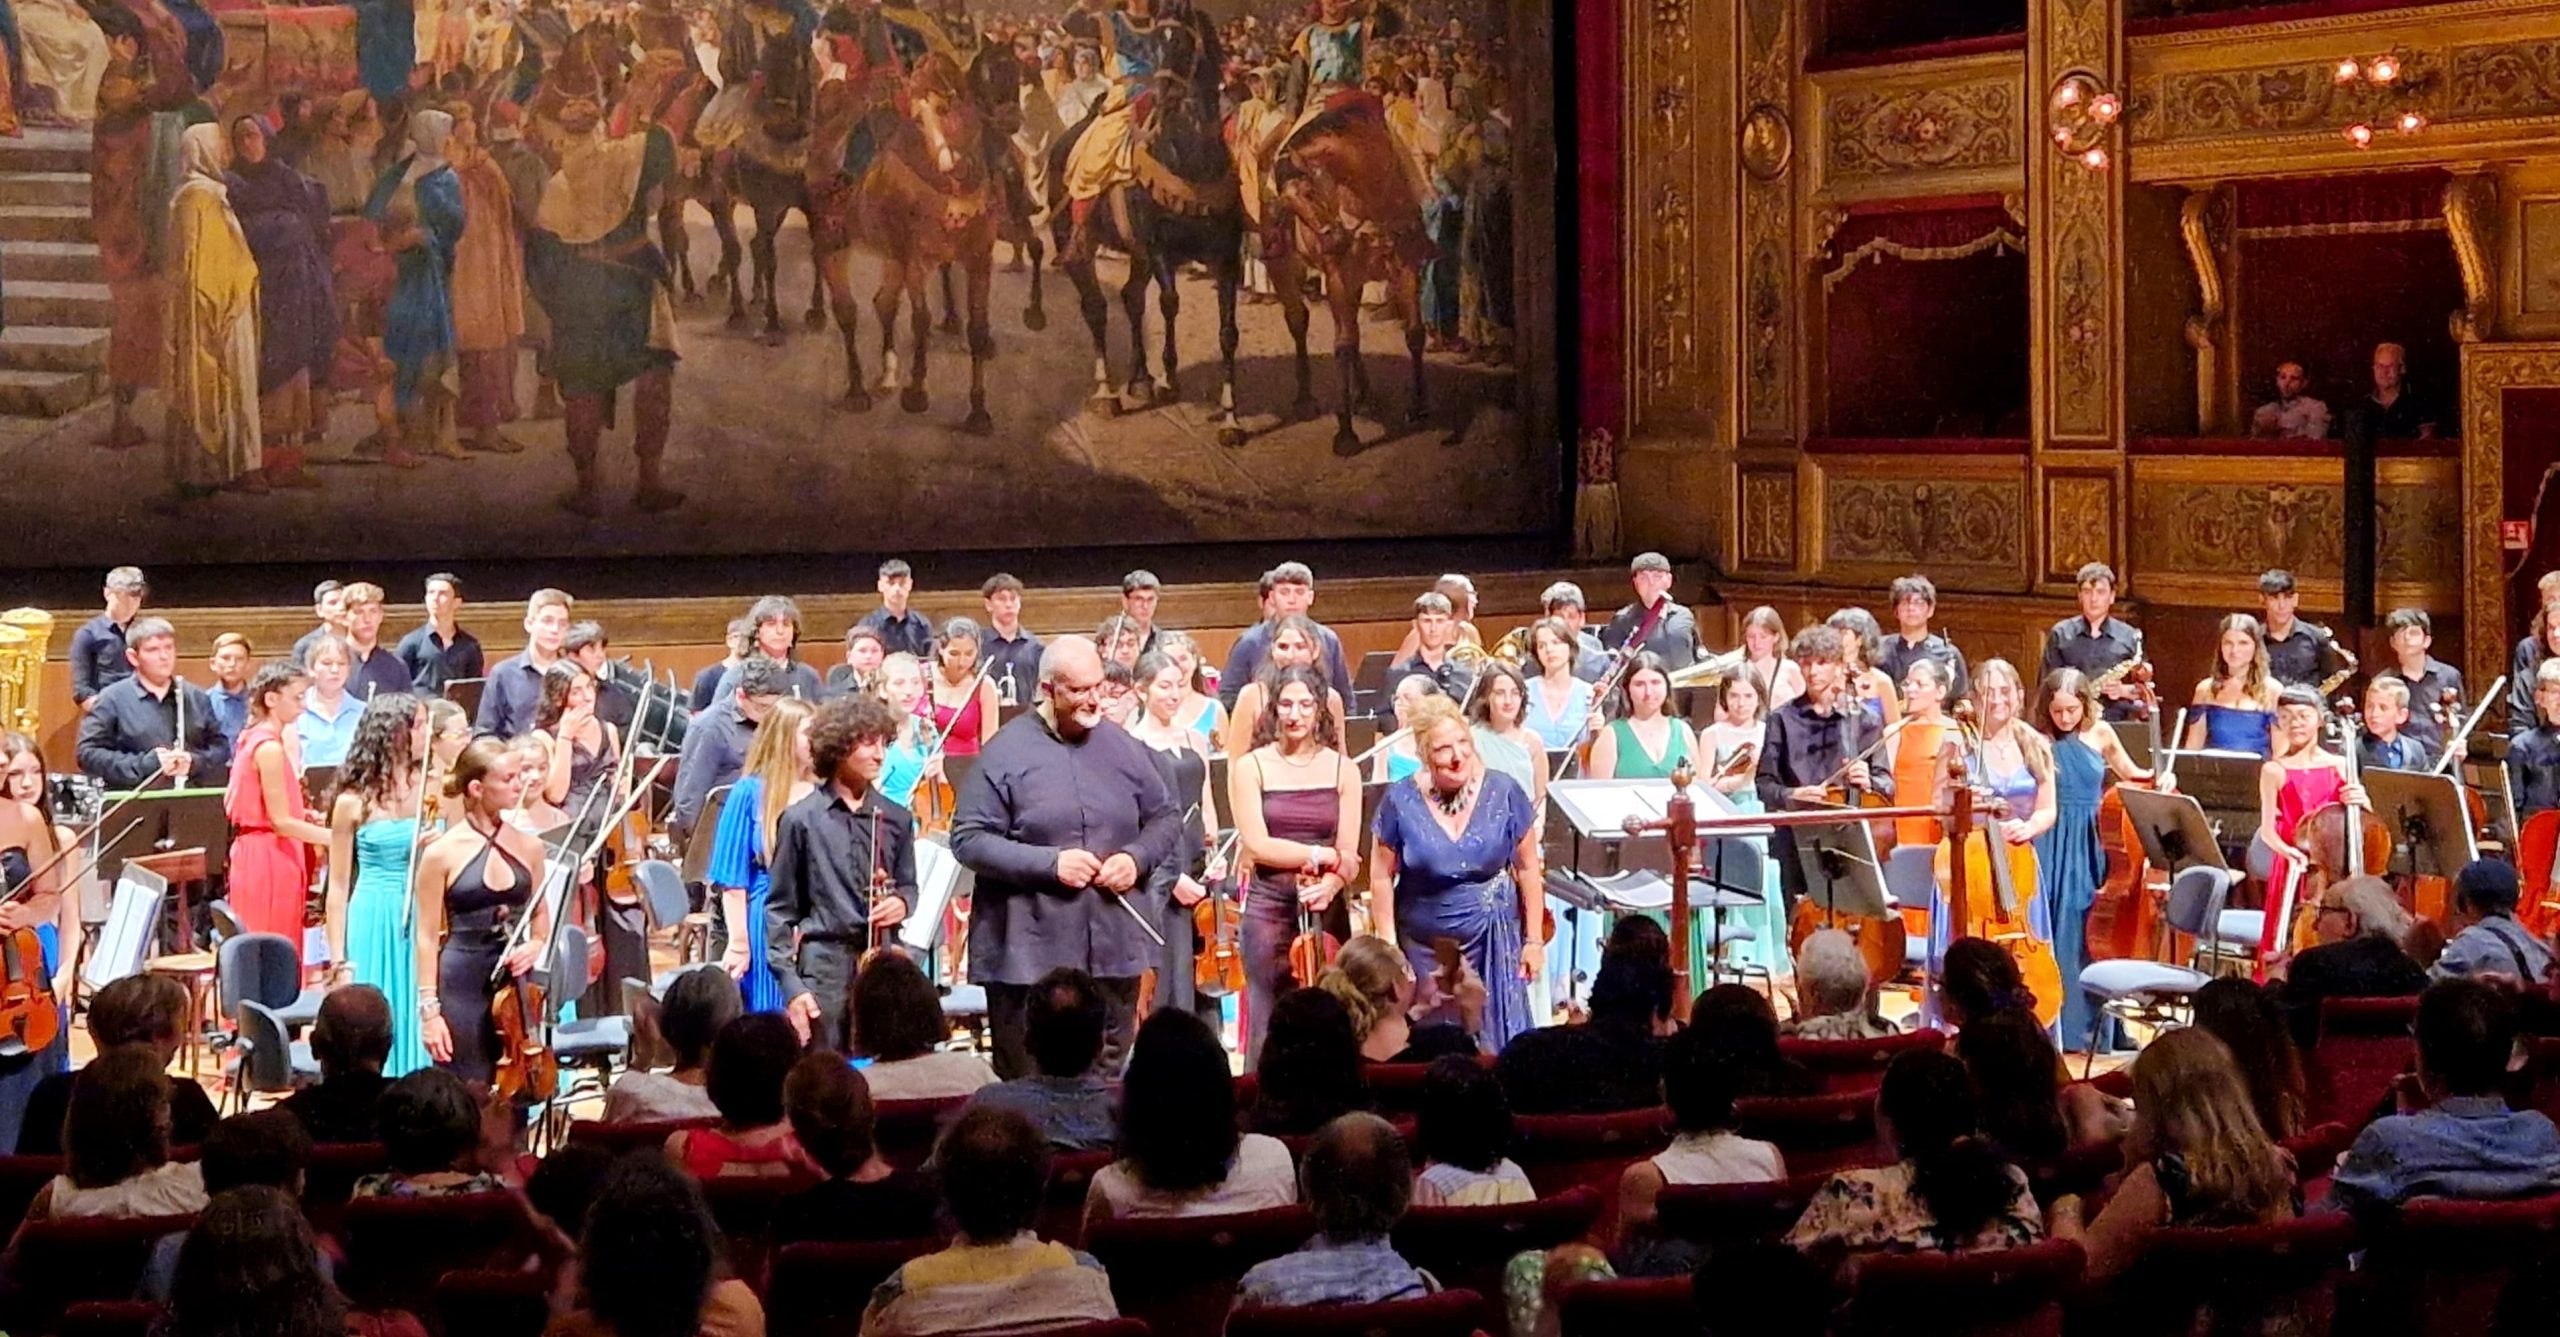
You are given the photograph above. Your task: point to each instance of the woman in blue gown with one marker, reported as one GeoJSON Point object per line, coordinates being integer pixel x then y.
{"type": "Point", "coordinates": [2235, 709]}
{"type": "Point", "coordinates": [2069, 861]}
{"type": "Point", "coordinates": [373, 841]}
{"type": "Point", "coordinates": [777, 774]}
{"type": "Point", "coordinates": [1458, 857]}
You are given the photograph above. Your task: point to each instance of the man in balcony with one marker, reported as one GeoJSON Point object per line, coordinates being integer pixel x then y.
{"type": "Point", "coordinates": [2293, 413]}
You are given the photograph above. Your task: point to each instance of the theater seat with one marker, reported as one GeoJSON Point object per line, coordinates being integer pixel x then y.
{"type": "Point", "coordinates": [2460, 1269]}
{"type": "Point", "coordinates": [1062, 1206]}
{"type": "Point", "coordinates": [1458, 1313]}
{"type": "Point", "coordinates": [1467, 1247]}
{"type": "Point", "coordinates": [1716, 1216]}
{"type": "Point", "coordinates": [1988, 1293]}
{"type": "Point", "coordinates": [743, 1206]}
{"type": "Point", "coordinates": [398, 1247]}
{"type": "Point", "coordinates": [1816, 1133]}
{"type": "Point", "coordinates": [2364, 1045]}
{"type": "Point", "coordinates": [620, 1138]}
{"type": "Point", "coordinates": [1180, 1273]}
{"type": "Point", "coordinates": [493, 1304]}
{"type": "Point", "coordinates": [819, 1289]}
{"type": "Point", "coordinates": [904, 1130]}
{"type": "Point", "coordinates": [1857, 1065]}
{"type": "Point", "coordinates": [111, 1318]}
{"type": "Point", "coordinates": [1627, 1307]}
{"type": "Point", "coordinates": [58, 1263]}
{"type": "Point", "coordinates": [330, 1179]}
{"type": "Point", "coordinates": [1560, 1151]}
{"type": "Point", "coordinates": [2245, 1279]}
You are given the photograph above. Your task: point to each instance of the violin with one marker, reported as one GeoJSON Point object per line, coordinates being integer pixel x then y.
{"type": "Point", "coordinates": [1314, 948]}
{"type": "Point", "coordinates": [1217, 969]}
{"type": "Point", "coordinates": [526, 1068]}
{"type": "Point", "coordinates": [2008, 868]}
{"type": "Point", "coordinates": [30, 1016]}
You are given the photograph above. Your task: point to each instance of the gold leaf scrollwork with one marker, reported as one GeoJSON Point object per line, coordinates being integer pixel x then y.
{"type": "Point", "coordinates": [1671, 119]}
{"type": "Point", "coordinates": [2470, 206]}
{"type": "Point", "coordinates": [1769, 518]}
{"type": "Point", "coordinates": [1672, 340]}
{"type": "Point", "coordinates": [1880, 132]}
{"type": "Point", "coordinates": [1938, 524]}
{"type": "Point", "coordinates": [2081, 525]}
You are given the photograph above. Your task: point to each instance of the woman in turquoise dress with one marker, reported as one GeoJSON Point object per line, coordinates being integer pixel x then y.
{"type": "Point", "coordinates": [777, 774]}
{"type": "Point", "coordinates": [2069, 862]}
{"type": "Point", "coordinates": [373, 841]}
{"type": "Point", "coordinates": [1397, 760]}
{"type": "Point", "coordinates": [1741, 726]}
{"type": "Point", "coordinates": [1559, 702]}
{"type": "Point", "coordinates": [1496, 713]}
{"type": "Point", "coordinates": [2235, 709]}
{"type": "Point", "coordinates": [902, 686]}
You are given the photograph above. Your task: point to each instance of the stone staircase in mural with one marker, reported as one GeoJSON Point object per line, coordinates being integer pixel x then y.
{"type": "Point", "coordinates": [53, 353]}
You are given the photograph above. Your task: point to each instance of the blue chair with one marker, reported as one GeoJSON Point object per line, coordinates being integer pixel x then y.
{"type": "Point", "coordinates": [265, 1057]}
{"type": "Point", "coordinates": [266, 968]}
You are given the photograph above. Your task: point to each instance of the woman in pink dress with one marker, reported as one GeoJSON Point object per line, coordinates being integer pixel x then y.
{"type": "Point", "coordinates": [2302, 778]}
{"type": "Point", "coordinates": [959, 702]}
{"type": "Point", "coordinates": [272, 834]}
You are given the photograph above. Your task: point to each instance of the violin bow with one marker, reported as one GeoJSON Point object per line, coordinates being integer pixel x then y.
{"type": "Point", "coordinates": [2453, 745]}
{"type": "Point", "coordinates": [1123, 897]}
{"type": "Point", "coordinates": [83, 834]}
{"type": "Point", "coordinates": [1847, 724]}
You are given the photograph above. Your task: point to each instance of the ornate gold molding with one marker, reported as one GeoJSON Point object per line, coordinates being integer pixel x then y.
{"type": "Point", "coordinates": [1770, 298]}
{"type": "Point", "coordinates": [2471, 222]}
{"type": "Point", "coordinates": [2260, 98]}
{"type": "Point", "coordinates": [1963, 519]}
{"type": "Point", "coordinates": [2204, 226]}
{"type": "Point", "coordinates": [2076, 251]}
{"type": "Point", "coordinates": [2080, 522]}
{"type": "Point", "coordinates": [1768, 515]}
{"type": "Point", "coordinates": [1938, 127]}
{"type": "Point", "coordinates": [1671, 387]}
{"type": "Point", "coordinates": [2488, 372]}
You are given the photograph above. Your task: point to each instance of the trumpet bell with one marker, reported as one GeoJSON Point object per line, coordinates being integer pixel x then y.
{"type": "Point", "coordinates": [1709, 671]}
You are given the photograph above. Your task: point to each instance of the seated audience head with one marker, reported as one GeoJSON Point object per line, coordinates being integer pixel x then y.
{"type": "Point", "coordinates": [698, 1003]}
{"type": "Point", "coordinates": [251, 1268]}
{"type": "Point", "coordinates": [750, 1058]}
{"type": "Point", "coordinates": [829, 1104]}
{"type": "Point", "coordinates": [1372, 980]}
{"type": "Point", "coordinates": [1742, 1028]}
{"type": "Point", "coordinates": [1636, 937]}
{"type": "Point", "coordinates": [269, 1149]}
{"type": "Point", "coordinates": [2366, 907]}
{"type": "Point", "coordinates": [2466, 1037]}
{"type": "Point", "coordinates": [2486, 889]}
{"type": "Point", "coordinates": [1831, 977]}
{"type": "Point", "coordinates": [995, 1171]}
{"type": "Point", "coordinates": [1357, 1178]}
{"type": "Point", "coordinates": [140, 1010]}
{"type": "Point", "coordinates": [2245, 1018]}
{"type": "Point", "coordinates": [2191, 1101]}
{"type": "Point", "coordinates": [1633, 988]}
{"type": "Point", "coordinates": [1926, 1112]}
{"type": "Point", "coordinates": [2017, 1084]}
{"type": "Point", "coordinates": [564, 1183]}
{"type": "Point", "coordinates": [1310, 1064]}
{"type": "Point", "coordinates": [650, 1251]}
{"type": "Point", "coordinates": [353, 1033]}
{"type": "Point", "coordinates": [896, 1013]}
{"type": "Point", "coordinates": [1464, 1118]}
{"type": "Point", "coordinates": [1178, 1105]}
{"type": "Point", "coordinates": [1978, 979]}
{"type": "Point", "coordinates": [430, 1123]}
{"type": "Point", "coordinates": [117, 1123]}
{"type": "Point", "coordinates": [1699, 1082]}
{"type": "Point", "coordinates": [1064, 1025]}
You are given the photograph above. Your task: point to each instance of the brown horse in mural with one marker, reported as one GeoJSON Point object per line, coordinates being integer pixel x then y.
{"type": "Point", "coordinates": [1347, 209]}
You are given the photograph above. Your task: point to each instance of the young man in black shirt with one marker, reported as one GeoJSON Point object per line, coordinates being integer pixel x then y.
{"type": "Point", "coordinates": [844, 870]}
{"type": "Point", "coordinates": [97, 648]}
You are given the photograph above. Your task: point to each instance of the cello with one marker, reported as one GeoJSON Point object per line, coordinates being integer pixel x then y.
{"type": "Point", "coordinates": [2006, 866]}
{"type": "Point", "coordinates": [1881, 939]}
{"type": "Point", "coordinates": [2344, 840]}
{"type": "Point", "coordinates": [2123, 904]}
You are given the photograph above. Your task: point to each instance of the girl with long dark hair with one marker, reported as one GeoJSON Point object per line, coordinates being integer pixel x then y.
{"type": "Point", "coordinates": [373, 842]}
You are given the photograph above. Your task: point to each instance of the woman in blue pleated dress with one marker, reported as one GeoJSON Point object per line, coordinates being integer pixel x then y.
{"type": "Point", "coordinates": [2072, 864]}
{"type": "Point", "coordinates": [778, 773]}
{"type": "Point", "coordinates": [373, 841]}
{"type": "Point", "coordinates": [1741, 726]}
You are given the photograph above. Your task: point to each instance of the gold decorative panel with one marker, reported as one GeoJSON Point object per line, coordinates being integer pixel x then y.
{"type": "Point", "coordinates": [1768, 287]}
{"type": "Point", "coordinates": [2264, 97]}
{"type": "Point", "coordinates": [1769, 516]}
{"type": "Point", "coordinates": [2204, 527]}
{"type": "Point", "coordinates": [1672, 387]}
{"type": "Point", "coordinates": [1962, 520]}
{"type": "Point", "coordinates": [2080, 522]}
{"type": "Point", "coordinates": [1940, 127]}
{"type": "Point", "coordinates": [2488, 372]}
{"type": "Point", "coordinates": [2073, 238]}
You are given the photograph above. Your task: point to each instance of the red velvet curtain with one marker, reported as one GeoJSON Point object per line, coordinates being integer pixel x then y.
{"type": "Point", "coordinates": [1599, 213]}
{"type": "Point", "coordinates": [1926, 347]}
{"type": "Point", "coordinates": [2328, 201]}
{"type": "Point", "coordinates": [2379, 269]}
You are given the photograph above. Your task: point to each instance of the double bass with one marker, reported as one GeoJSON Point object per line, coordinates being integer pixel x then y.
{"type": "Point", "coordinates": [2008, 868]}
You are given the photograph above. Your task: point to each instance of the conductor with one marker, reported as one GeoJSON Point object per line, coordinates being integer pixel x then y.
{"type": "Point", "coordinates": [1061, 817]}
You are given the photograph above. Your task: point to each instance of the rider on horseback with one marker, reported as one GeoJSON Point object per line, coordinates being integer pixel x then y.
{"type": "Point", "coordinates": [1332, 58]}
{"type": "Point", "coordinates": [1133, 42]}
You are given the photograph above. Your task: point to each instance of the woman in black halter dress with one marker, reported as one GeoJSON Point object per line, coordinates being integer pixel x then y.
{"type": "Point", "coordinates": [473, 882]}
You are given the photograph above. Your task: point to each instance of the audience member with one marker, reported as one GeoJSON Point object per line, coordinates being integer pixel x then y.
{"type": "Point", "coordinates": [1310, 1069]}
{"type": "Point", "coordinates": [431, 1134]}
{"type": "Point", "coordinates": [2196, 1156]}
{"type": "Point", "coordinates": [1180, 1153]}
{"type": "Point", "coordinates": [1948, 1190]}
{"type": "Point", "coordinates": [750, 1060]}
{"type": "Point", "coordinates": [2391, 412]}
{"type": "Point", "coordinates": [1063, 1097]}
{"type": "Point", "coordinates": [650, 1263]}
{"type": "Point", "coordinates": [2466, 1143]}
{"type": "Point", "coordinates": [1835, 998]}
{"type": "Point", "coordinates": [563, 1187]}
{"type": "Point", "coordinates": [1742, 1028]}
{"type": "Point", "coordinates": [898, 1024]}
{"type": "Point", "coordinates": [2292, 413]}
{"type": "Point", "coordinates": [352, 1040]}
{"type": "Point", "coordinates": [2244, 1017]}
{"type": "Point", "coordinates": [996, 1276]}
{"type": "Point", "coordinates": [1374, 982]}
{"type": "Point", "coordinates": [1612, 1062]}
{"type": "Point", "coordinates": [115, 1144]}
{"type": "Point", "coordinates": [1358, 1179]}
{"type": "Point", "coordinates": [2019, 1092]}
{"type": "Point", "coordinates": [250, 1268]}
{"type": "Point", "coordinates": [1980, 978]}
{"type": "Point", "coordinates": [1700, 1083]}
{"type": "Point", "coordinates": [2363, 953]}
{"type": "Point", "coordinates": [145, 1010]}
{"type": "Point", "coordinates": [1461, 1129]}
{"type": "Point", "coordinates": [698, 1003]}
{"type": "Point", "coordinates": [862, 1196]}
{"type": "Point", "coordinates": [2491, 942]}
{"type": "Point", "coordinates": [268, 1149]}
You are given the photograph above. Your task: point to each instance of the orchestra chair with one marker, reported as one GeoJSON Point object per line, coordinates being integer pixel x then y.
{"type": "Point", "coordinates": [2154, 993]}
{"type": "Point", "coordinates": [905, 1130]}
{"type": "Point", "coordinates": [1717, 1216]}
{"type": "Point", "coordinates": [111, 1318]}
{"type": "Point", "coordinates": [819, 1289]}
{"type": "Point", "coordinates": [743, 1206]}
{"type": "Point", "coordinates": [330, 1179]}
{"type": "Point", "coordinates": [2365, 1045]}
{"type": "Point", "coordinates": [670, 909]}
{"type": "Point", "coordinates": [1459, 1313]}
{"type": "Point", "coordinates": [1856, 1065]}
{"type": "Point", "coordinates": [587, 1048]}
{"type": "Point", "coordinates": [1626, 1307]}
{"type": "Point", "coordinates": [2443, 1268]}
{"type": "Point", "coordinates": [21, 1178]}
{"type": "Point", "coordinates": [1467, 1247]}
{"type": "Point", "coordinates": [263, 968]}
{"type": "Point", "coordinates": [1559, 1151]}
{"type": "Point", "coordinates": [397, 1247]}
{"type": "Point", "coordinates": [58, 1263]}
{"type": "Point", "coordinates": [1817, 1134]}
{"type": "Point", "coordinates": [1990, 1293]}
{"type": "Point", "coordinates": [475, 1303]}
{"type": "Point", "coordinates": [264, 1058]}
{"type": "Point", "coordinates": [1062, 1202]}
{"type": "Point", "coordinates": [1180, 1273]}
{"type": "Point", "coordinates": [2198, 906]}
{"type": "Point", "coordinates": [623, 1138]}
{"type": "Point", "coordinates": [2272, 1278]}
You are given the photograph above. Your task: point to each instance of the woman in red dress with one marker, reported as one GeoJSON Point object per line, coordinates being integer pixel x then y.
{"type": "Point", "coordinates": [2302, 778]}
{"type": "Point", "coordinates": [960, 702]}
{"type": "Point", "coordinates": [273, 835]}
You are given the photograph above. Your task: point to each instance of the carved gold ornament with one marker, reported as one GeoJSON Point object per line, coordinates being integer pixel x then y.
{"type": "Point", "coordinates": [1768, 142]}
{"type": "Point", "coordinates": [2081, 113]}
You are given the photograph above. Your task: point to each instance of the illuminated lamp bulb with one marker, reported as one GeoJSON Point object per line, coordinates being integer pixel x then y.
{"type": "Point", "coordinates": [2360, 135]}
{"type": "Point", "coordinates": [2385, 69]}
{"type": "Point", "coordinates": [2411, 122]}
{"type": "Point", "coordinates": [2105, 108]}
{"type": "Point", "coordinates": [2095, 160]}
{"type": "Point", "coordinates": [2066, 95]}
{"type": "Point", "coordinates": [2348, 70]}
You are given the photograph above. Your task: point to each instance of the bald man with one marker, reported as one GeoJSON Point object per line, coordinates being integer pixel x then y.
{"type": "Point", "coordinates": [1060, 819]}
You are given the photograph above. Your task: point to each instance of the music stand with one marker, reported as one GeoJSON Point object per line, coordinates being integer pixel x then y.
{"type": "Point", "coordinates": [2224, 785]}
{"type": "Point", "coordinates": [1370, 795]}
{"type": "Point", "coordinates": [1359, 735]}
{"type": "Point", "coordinates": [2135, 735]}
{"type": "Point", "coordinates": [1220, 818]}
{"type": "Point", "coordinates": [465, 692]}
{"type": "Point", "coordinates": [2427, 813]}
{"type": "Point", "coordinates": [940, 879]}
{"type": "Point", "coordinates": [1008, 714]}
{"type": "Point", "coordinates": [2172, 828]}
{"type": "Point", "coordinates": [171, 819]}
{"type": "Point", "coordinates": [1557, 760]}
{"type": "Point", "coordinates": [123, 942]}
{"type": "Point", "coordinates": [1842, 875]}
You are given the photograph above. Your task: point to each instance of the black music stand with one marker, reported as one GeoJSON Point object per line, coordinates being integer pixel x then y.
{"type": "Point", "coordinates": [170, 819]}
{"type": "Point", "coordinates": [1842, 875]}
{"type": "Point", "coordinates": [465, 692]}
{"type": "Point", "coordinates": [2426, 813]}
{"type": "Point", "coordinates": [1359, 735]}
{"type": "Point", "coordinates": [2135, 735]}
{"type": "Point", "coordinates": [1008, 714]}
{"type": "Point", "coordinates": [1370, 796]}
{"type": "Point", "coordinates": [2173, 830]}
{"type": "Point", "coordinates": [1220, 819]}
{"type": "Point", "coordinates": [2225, 787]}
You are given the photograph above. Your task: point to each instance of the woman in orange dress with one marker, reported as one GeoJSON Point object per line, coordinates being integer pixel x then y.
{"type": "Point", "coordinates": [272, 834]}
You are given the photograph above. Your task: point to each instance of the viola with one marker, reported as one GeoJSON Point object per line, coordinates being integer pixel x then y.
{"type": "Point", "coordinates": [526, 1068]}
{"type": "Point", "coordinates": [1314, 948]}
{"type": "Point", "coordinates": [30, 1016]}
{"type": "Point", "coordinates": [1217, 969]}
